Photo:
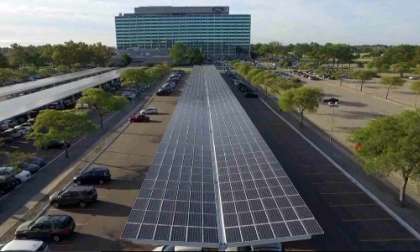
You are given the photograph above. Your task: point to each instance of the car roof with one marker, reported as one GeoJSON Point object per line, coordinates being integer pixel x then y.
{"type": "Point", "coordinates": [52, 218]}
{"type": "Point", "coordinates": [22, 245]}
{"type": "Point", "coordinates": [97, 168]}
{"type": "Point", "coordinates": [79, 188]}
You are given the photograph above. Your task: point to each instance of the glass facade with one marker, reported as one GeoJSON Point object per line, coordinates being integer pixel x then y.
{"type": "Point", "coordinates": [217, 35]}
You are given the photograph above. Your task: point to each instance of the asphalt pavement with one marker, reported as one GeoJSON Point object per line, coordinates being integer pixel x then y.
{"type": "Point", "coordinates": [350, 218]}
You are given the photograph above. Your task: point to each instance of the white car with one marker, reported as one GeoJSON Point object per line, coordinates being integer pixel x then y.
{"type": "Point", "coordinates": [26, 245]}
{"type": "Point", "coordinates": [23, 176]}
{"type": "Point", "coordinates": [149, 111]}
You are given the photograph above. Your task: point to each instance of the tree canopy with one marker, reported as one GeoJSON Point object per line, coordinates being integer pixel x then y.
{"type": "Point", "coordinates": [392, 81]}
{"type": "Point", "coordinates": [60, 125]}
{"type": "Point", "coordinates": [102, 102]}
{"type": "Point", "coordinates": [136, 77]}
{"type": "Point", "coordinates": [415, 87]}
{"type": "Point", "coordinates": [391, 144]}
{"type": "Point", "coordinates": [301, 99]}
{"type": "Point", "coordinates": [363, 76]}
{"type": "Point", "coordinates": [182, 55]}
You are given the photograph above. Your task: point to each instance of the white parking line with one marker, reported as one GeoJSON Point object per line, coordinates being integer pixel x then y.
{"type": "Point", "coordinates": [350, 177]}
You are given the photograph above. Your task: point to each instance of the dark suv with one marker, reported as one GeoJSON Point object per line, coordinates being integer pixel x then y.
{"type": "Point", "coordinates": [92, 176]}
{"type": "Point", "coordinates": [46, 227]}
{"type": "Point", "coordinates": [74, 195]}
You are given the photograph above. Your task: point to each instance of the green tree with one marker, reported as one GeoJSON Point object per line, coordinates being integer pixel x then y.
{"type": "Point", "coordinates": [400, 68]}
{"type": "Point", "coordinates": [102, 102]}
{"type": "Point", "coordinates": [134, 78]}
{"type": "Point", "coordinates": [363, 76]}
{"type": "Point", "coordinates": [126, 59]}
{"type": "Point", "coordinates": [196, 57]}
{"type": "Point", "coordinates": [60, 125]}
{"type": "Point", "coordinates": [302, 99]}
{"type": "Point", "coordinates": [178, 55]}
{"type": "Point", "coordinates": [3, 61]}
{"type": "Point", "coordinates": [391, 144]}
{"type": "Point", "coordinates": [415, 87]}
{"type": "Point", "coordinates": [391, 81]}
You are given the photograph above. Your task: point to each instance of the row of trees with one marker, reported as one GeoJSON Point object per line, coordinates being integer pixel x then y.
{"type": "Point", "coordinates": [68, 54]}
{"type": "Point", "coordinates": [19, 63]}
{"type": "Point", "coordinates": [265, 79]}
{"type": "Point", "coordinates": [334, 54]}
{"type": "Point", "coordinates": [399, 59]}
{"type": "Point", "coordinates": [136, 78]}
{"type": "Point", "coordinates": [292, 95]}
{"type": "Point", "coordinates": [182, 55]}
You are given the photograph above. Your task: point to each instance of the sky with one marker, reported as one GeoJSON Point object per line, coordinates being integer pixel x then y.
{"type": "Point", "coordinates": [287, 21]}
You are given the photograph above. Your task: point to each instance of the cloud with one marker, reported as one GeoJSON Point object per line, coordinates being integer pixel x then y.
{"type": "Point", "coordinates": [355, 21]}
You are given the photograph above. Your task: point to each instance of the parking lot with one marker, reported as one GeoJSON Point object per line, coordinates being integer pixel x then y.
{"type": "Point", "coordinates": [350, 218]}
{"type": "Point", "coordinates": [99, 225]}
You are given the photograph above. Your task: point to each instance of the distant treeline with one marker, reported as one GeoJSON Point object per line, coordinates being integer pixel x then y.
{"type": "Point", "coordinates": [381, 57]}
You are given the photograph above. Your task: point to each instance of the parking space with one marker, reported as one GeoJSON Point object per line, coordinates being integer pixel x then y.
{"type": "Point", "coordinates": [99, 225]}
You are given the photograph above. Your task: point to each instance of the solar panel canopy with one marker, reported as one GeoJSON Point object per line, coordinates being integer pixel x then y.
{"type": "Point", "coordinates": [21, 87]}
{"type": "Point", "coordinates": [23, 104]}
{"type": "Point", "coordinates": [214, 182]}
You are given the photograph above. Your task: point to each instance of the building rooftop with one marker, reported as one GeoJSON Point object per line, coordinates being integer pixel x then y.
{"type": "Point", "coordinates": [181, 10]}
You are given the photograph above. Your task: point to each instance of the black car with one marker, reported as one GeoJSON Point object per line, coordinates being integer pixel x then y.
{"type": "Point", "coordinates": [164, 92]}
{"type": "Point", "coordinates": [251, 94]}
{"type": "Point", "coordinates": [30, 167]}
{"type": "Point", "coordinates": [38, 161]}
{"type": "Point", "coordinates": [92, 176]}
{"type": "Point", "coordinates": [74, 195]}
{"type": "Point", "coordinates": [7, 184]}
{"type": "Point", "coordinates": [55, 227]}
{"type": "Point", "coordinates": [55, 144]}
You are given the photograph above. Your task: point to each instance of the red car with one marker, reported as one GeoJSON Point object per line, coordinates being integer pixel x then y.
{"type": "Point", "coordinates": [139, 118]}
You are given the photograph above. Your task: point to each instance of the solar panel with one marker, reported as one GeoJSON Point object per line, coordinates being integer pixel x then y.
{"type": "Point", "coordinates": [214, 181]}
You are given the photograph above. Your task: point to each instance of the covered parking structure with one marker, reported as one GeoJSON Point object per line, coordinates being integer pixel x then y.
{"type": "Point", "coordinates": [24, 104]}
{"type": "Point", "coordinates": [32, 86]}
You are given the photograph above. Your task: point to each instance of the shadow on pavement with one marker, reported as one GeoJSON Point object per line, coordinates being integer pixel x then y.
{"type": "Point", "coordinates": [352, 104]}
{"type": "Point", "coordinates": [102, 208]}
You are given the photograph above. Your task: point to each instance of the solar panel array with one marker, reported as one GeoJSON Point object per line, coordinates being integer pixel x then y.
{"type": "Point", "coordinates": [214, 181]}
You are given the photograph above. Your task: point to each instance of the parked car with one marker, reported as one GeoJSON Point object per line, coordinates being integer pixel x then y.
{"type": "Point", "coordinates": [149, 111]}
{"type": "Point", "coordinates": [7, 184]}
{"type": "Point", "coordinates": [30, 167]}
{"type": "Point", "coordinates": [8, 171]}
{"type": "Point", "coordinates": [26, 245]}
{"type": "Point", "coordinates": [139, 118]}
{"type": "Point", "coordinates": [55, 227]}
{"type": "Point", "coordinates": [23, 176]}
{"type": "Point", "coordinates": [251, 94]}
{"type": "Point", "coordinates": [38, 161]}
{"type": "Point", "coordinates": [129, 95]}
{"type": "Point", "coordinates": [12, 133]}
{"type": "Point", "coordinates": [55, 144]}
{"type": "Point", "coordinates": [94, 175]}
{"type": "Point", "coordinates": [74, 195]}
{"type": "Point", "coordinates": [164, 92]}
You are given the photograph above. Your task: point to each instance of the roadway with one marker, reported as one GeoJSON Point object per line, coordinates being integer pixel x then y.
{"type": "Point", "coordinates": [350, 218]}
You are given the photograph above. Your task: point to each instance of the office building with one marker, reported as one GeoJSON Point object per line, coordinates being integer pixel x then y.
{"type": "Point", "coordinates": [211, 29]}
